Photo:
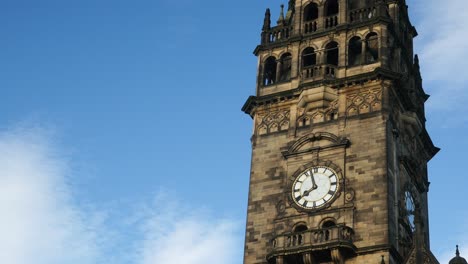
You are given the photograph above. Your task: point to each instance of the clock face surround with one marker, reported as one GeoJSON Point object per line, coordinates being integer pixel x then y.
{"type": "Point", "coordinates": [315, 187]}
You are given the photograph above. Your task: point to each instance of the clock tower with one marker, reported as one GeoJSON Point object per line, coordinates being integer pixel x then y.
{"type": "Point", "coordinates": [339, 146]}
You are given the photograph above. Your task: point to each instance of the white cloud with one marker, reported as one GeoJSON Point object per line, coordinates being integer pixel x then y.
{"type": "Point", "coordinates": [42, 223]}
{"type": "Point", "coordinates": [175, 235]}
{"type": "Point", "coordinates": [443, 32]}
{"type": "Point", "coordinates": [39, 222]}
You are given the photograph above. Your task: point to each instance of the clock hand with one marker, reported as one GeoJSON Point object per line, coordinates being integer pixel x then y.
{"type": "Point", "coordinates": [314, 185]}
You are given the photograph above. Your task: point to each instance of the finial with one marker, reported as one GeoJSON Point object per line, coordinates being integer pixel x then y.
{"type": "Point", "coordinates": [281, 18]}
{"type": "Point", "coordinates": [267, 20]}
{"type": "Point", "coordinates": [383, 260]}
{"type": "Point", "coordinates": [457, 252]}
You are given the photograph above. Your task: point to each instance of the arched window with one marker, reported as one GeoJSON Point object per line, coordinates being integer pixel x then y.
{"type": "Point", "coordinates": [310, 12]}
{"type": "Point", "coordinates": [372, 47]}
{"type": "Point", "coordinates": [354, 51]}
{"type": "Point", "coordinates": [309, 57]}
{"type": "Point", "coordinates": [299, 229]}
{"type": "Point", "coordinates": [327, 225]}
{"type": "Point", "coordinates": [269, 71]}
{"type": "Point", "coordinates": [331, 51]}
{"type": "Point", "coordinates": [285, 70]}
{"type": "Point", "coordinates": [331, 7]}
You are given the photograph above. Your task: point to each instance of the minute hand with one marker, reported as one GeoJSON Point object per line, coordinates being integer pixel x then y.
{"type": "Point", "coordinates": [314, 185]}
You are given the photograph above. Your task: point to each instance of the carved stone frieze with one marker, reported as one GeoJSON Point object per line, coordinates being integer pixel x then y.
{"type": "Point", "coordinates": [272, 122]}
{"type": "Point", "coordinates": [364, 101]}
{"type": "Point", "coordinates": [318, 115]}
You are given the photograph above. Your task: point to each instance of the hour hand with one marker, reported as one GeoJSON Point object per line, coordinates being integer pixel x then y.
{"type": "Point", "coordinates": [307, 192]}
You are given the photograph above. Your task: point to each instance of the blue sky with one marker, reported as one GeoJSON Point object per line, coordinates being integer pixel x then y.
{"type": "Point", "coordinates": [121, 133]}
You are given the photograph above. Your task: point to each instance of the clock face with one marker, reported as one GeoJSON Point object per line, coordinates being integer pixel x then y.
{"type": "Point", "coordinates": [409, 204]}
{"type": "Point", "coordinates": [315, 187]}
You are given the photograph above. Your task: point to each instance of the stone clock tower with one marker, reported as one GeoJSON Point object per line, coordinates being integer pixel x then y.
{"type": "Point", "coordinates": [340, 147]}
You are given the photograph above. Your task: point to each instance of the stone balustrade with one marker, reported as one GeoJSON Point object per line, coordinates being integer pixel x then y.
{"type": "Point", "coordinates": [339, 236]}
{"type": "Point", "coordinates": [362, 14]}
{"type": "Point", "coordinates": [317, 72]}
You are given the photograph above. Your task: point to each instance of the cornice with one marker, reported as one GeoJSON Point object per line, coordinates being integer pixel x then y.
{"type": "Point", "coordinates": [378, 73]}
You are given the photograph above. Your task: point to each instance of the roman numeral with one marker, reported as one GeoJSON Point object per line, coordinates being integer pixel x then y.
{"type": "Point", "coordinates": [331, 176]}
{"type": "Point", "coordinates": [333, 183]}
{"type": "Point", "coordinates": [298, 197]}
{"type": "Point", "coordinates": [305, 204]}
{"type": "Point", "coordinates": [296, 190]}
{"type": "Point", "coordinates": [315, 170]}
{"type": "Point", "coordinates": [331, 192]}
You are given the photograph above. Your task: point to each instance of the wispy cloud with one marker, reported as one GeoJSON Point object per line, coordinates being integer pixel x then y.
{"type": "Point", "coordinates": [174, 234]}
{"type": "Point", "coordinates": [42, 223]}
{"type": "Point", "coordinates": [443, 32]}
{"type": "Point", "coordinates": [39, 223]}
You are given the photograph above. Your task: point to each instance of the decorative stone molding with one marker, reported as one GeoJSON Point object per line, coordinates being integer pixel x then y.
{"type": "Point", "coordinates": [273, 122]}
{"type": "Point", "coordinates": [306, 144]}
{"type": "Point", "coordinates": [317, 98]}
{"type": "Point", "coordinates": [364, 102]}
{"type": "Point", "coordinates": [318, 115]}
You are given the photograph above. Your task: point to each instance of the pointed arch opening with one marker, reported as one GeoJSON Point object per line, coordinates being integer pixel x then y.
{"type": "Point", "coordinates": [309, 57]}
{"type": "Point", "coordinates": [309, 60]}
{"type": "Point", "coordinates": [285, 67]}
{"type": "Point", "coordinates": [331, 8]}
{"type": "Point", "coordinates": [311, 12]}
{"type": "Point", "coordinates": [269, 72]}
{"type": "Point", "coordinates": [331, 53]}
{"type": "Point", "coordinates": [372, 47]}
{"type": "Point", "coordinates": [354, 51]}
{"type": "Point", "coordinates": [310, 18]}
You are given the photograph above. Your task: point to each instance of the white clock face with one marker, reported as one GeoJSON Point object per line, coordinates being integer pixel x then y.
{"type": "Point", "coordinates": [315, 187]}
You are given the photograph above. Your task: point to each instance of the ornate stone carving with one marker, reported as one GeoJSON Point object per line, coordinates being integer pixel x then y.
{"type": "Point", "coordinates": [349, 196]}
{"type": "Point", "coordinates": [276, 121]}
{"type": "Point", "coordinates": [318, 115]}
{"type": "Point", "coordinates": [364, 102]}
{"type": "Point", "coordinates": [280, 207]}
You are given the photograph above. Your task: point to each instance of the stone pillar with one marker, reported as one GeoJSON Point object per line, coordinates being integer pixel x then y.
{"type": "Point", "coordinates": [279, 260]}
{"type": "Point", "coordinates": [343, 11]}
{"type": "Point", "coordinates": [336, 256]}
{"type": "Point", "coordinates": [308, 258]}
{"type": "Point", "coordinates": [279, 65]}
{"type": "Point", "coordinates": [363, 50]}
{"type": "Point", "coordinates": [321, 17]}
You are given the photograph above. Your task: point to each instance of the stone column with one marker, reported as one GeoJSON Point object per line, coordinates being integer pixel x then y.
{"type": "Point", "coordinates": [321, 17]}
{"type": "Point", "coordinates": [279, 65]}
{"type": "Point", "coordinates": [343, 11]}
